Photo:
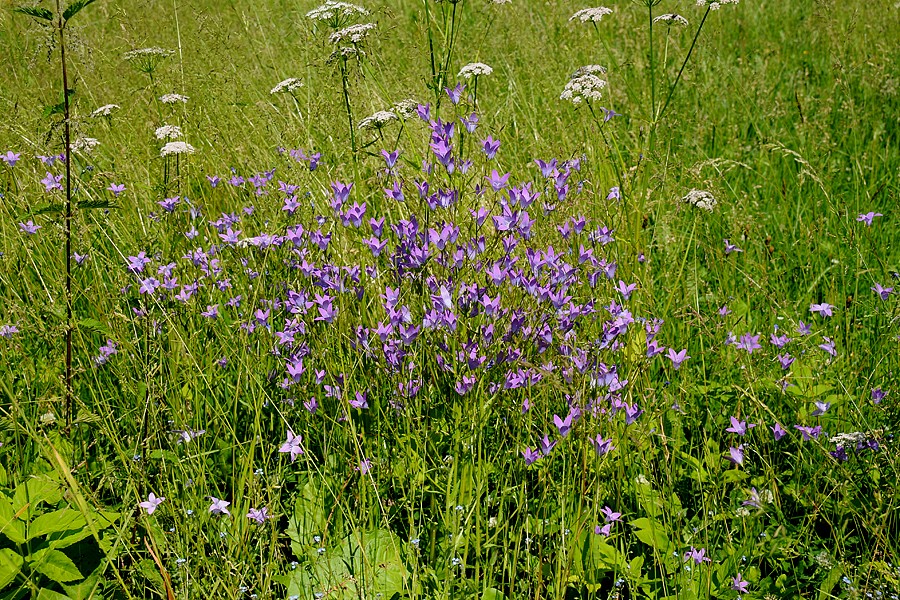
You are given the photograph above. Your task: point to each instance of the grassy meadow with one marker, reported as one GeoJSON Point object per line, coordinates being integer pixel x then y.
{"type": "Point", "coordinates": [492, 300]}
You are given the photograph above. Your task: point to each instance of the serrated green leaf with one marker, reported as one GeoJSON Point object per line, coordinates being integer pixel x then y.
{"type": "Point", "coordinates": [34, 11]}
{"type": "Point", "coordinates": [56, 566]}
{"type": "Point", "coordinates": [95, 325]}
{"type": "Point", "coordinates": [92, 204]}
{"type": "Point", "coordinates": [48, 209]}
{"type": "Point", "coordinates": [54, 109]}
{"type": "Point", "coordinates": [57, 521]}
{"type": "Point", "coordinates": [10, 565]}
{"type": "Point", "coordinates": [74, 8]}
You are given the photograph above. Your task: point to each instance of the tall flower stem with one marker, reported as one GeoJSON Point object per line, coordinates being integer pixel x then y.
{"type": "Point", "coordinates": [61, 24]}
{"type": "Point", "coordinates": [346, 91]}
{"type": "Point", "coordinates": [681, 70]}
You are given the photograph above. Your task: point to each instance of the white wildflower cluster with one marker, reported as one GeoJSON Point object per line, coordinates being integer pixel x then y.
{"type": "Point", "coordinates": [850, 440]}
{"type": "Point", "coordinates": [173, 98]}
{"type": "Point", "coordinates": [714, 4]}
{"type": "Point", "coordinates": [583, 87]}
{"type": "Point", "coordinates": [332, 12]}
{"type": "Point", "coordinates": [671, 19]}
{"type": "Point", "coordinates": [353, 34]}
{"type": "Point", "coordinates": [84, 144]}
{"type": "Point", "coordinates": [175, 148]}
{"type": "Point", "coordinates": [500, 1]}
{"type": "Point", "coordinates": [168, 132]}
{"type": "Point", "coordinates": [589, 70]}
{"type": "Point", "coordinates": [405, 109]}
{"type": "Point", "coordinates": [701, 199]}
{"type": "Point", "coordinates": [105, 110]}
{"type": "Point", "coordinates": [474, 70]}
{"type": "Point", "coordinates": [591, 15]}
{"type": "Point", "coordinates": [378, 120]}
{"type": "Point", "coordinates": [347, 52]}
{"type": "Point", "coordinates": [289, 85]}
{"type": "Point", "coordinates": [148, 53]}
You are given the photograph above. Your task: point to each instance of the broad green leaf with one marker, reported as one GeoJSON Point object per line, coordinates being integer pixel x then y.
{"type": "Point", "coordinates": [10, 565]}
{"type": "Point", "coordinates": [74, 8]}
{"type": "Point", "coordinates": [29, 494]}
{"type": "Point", "coordinates": [53, 522]}
{"type": "Point", "coordinates": [492, 594]}
{"type": "Point", "coordinates": [56, 566]}
{"type": "Point", "coordinates": [10, 526]}
{"type": "Point", "coordinates": [653, 534]}
{"type": "Point", "coordinates": [36, 12]}
{"type": "Point", "coordinates": [86, 589]}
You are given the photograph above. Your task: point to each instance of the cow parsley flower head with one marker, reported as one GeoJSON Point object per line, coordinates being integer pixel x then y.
{"type": "Point", "coordinates": [84, 144]}
{"type": "Point", "coordinates": [289, 85]}
{"type": "Point", "coordinates": [701, 199]}
{"type": "Point", "coordinates": [173, 99]}
{"type": "Point", "coordinates": [405, 109]}
{"type": "Point", "coordinates": [176, 148]}
{"type": "Point", "coordinates": [168, 132]}
{"type": "Point", "coordinates": [592, 15]}
{"type": "Point", "coordinates": [671, 19]}
{"type": "Point", "coordinates": [714, 4]}
{"type": "Point", "coordinates": [378, 120]}
{"type": "Point", "coordinates": [105, 110]}
{"type": "Point", "coordinates": [583, 86]}
{"type": "Point", "coordinates": [474, 70]}
{"type": "Point", "coordinates": [334, 13]}
{"type": "Point", "coordinates": [354, 34]}
{"type": "Point", "coordinates": [144, 53]}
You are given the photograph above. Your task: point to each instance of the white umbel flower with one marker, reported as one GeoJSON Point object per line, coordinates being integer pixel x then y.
{"type": "Point", "coordinates": [592, 15]}
{"type": "Point", "coordinates": [105, 110]}
{"type": "Point", "coordinates": [671, 19]}
{"type": "Point", "coordinates": [589, 70]}
{"type": "Point", "coordinates": [378, 120]}
{"type": "Point", "coordinates": [289, 85]}
{"type": "Point", "coordinates": [84, 144]}
{"type": "Point", "coordinates": [354, 34]}
{"type": "Point", "coordinates": [168, 132]}
{"type": "Point", "coordinates": [148, 53]}
{"type": "Point", "coordinates": [701, 199]}
{"type": "Point", "coordinates": [405, 109]}
{"type": "Point", "coordinates": [336, 10]}
{"type": "Point", "coordinates": [176, 148]}
{"type": "Point", "coordinates": [474, 70]}
{"type": "Point", "coordinates": [714, 4]}
{"type": "Point", "coordinates": [583, 87]}
{"type": "Point", "coordinates": [173, 98]}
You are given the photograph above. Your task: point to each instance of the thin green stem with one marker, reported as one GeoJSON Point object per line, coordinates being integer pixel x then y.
{"type": "Point", "coordinates": [683, 65]}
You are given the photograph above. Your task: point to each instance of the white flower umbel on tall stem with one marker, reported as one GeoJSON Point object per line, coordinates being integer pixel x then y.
{"type": "Point", "coordinates": [105, 110]}
{"type": "Point", "coordinates": [583, 86]}
{"type": "Point", "coordinates": [290, 86]}
{"type": "Point", "coordinates": [336, 14]}
{"type": "Point", "coordinates": [591, 15]}
{"type": "Point", "coordinates": [168, 132]}
{"type": "Point", "coordinates": [348, 39]}
{"type": "Point", "coordinates": [671, 19]}
{"type": "Point", "coordinates": [173, 99]}
{"type": "Point", "coordinates": [474, 71]}
{"type": "Point", "coordinates": [175, 149]}
{"type": "Point", "coordinates": [700, 199]}
{"type": "Point", "coordinates": [353, 34]}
